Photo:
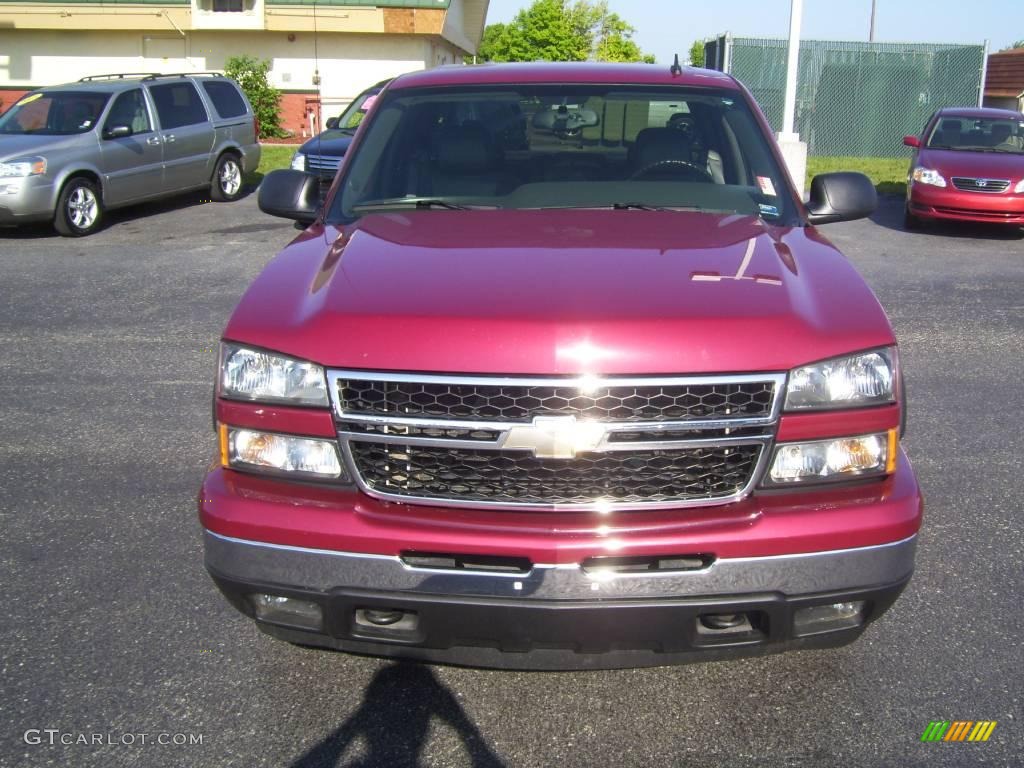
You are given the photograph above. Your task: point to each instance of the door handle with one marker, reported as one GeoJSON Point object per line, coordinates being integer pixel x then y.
{"type": "Point", "coordinates": [153, 141]}
{"type": "Point", "coordinates": [169, 138]}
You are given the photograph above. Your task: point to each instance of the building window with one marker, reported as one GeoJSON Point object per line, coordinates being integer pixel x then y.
{"type": "Point", "coordinates": [226, 6]}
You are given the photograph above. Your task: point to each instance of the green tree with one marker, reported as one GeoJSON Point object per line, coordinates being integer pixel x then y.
{"type": "Point", "coordinates": [562, 30]}
{"type": "Point", "coordinates": [697, 53]}
{"type": "Point", "coordinates": [253, 75]}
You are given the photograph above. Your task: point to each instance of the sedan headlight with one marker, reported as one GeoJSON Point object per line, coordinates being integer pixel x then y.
{"type": "Point", "coordinates": [250, 374]}
{"type": "Point", "coordinates": [846, 382]}
{"type": "Point", "coordinates": [22, 167]}
{"type": "Point", "coordinates": [824, 461]}
{"type": "Point", "coordinates": [927, 176]}
{"type": "Point", "coordinates": [298, 162]}
{"type": "Point", "coordinates": [285, 454]}
{"type": "Point", "coordinates": [1020, 187]}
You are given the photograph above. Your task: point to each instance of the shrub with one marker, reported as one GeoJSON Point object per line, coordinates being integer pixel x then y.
{"type": "Point", "coordinates": [252, 75]}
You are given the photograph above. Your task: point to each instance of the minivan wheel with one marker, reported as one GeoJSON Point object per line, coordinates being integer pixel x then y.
{"type": "Point", "coordinates": [227, 179]}
{"type": "Point", "coordinates": [79, 209]}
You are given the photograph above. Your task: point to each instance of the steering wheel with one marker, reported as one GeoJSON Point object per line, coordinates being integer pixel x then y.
{"type": "Point", "coordinates": [676, 166]}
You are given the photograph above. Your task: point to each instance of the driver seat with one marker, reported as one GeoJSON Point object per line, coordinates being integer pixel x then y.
{"type": "Point", "coordinates": [655, 145]}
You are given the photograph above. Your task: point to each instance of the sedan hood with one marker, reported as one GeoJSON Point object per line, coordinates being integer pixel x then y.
{"type": "Point", "coordinates": [985, 165]}
{"type": "Point", "coordinates": [560, 292]}
{"type": "Point", "coordinates": [331, 143]}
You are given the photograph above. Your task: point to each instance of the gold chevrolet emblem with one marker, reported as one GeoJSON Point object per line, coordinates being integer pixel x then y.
{"type": "Point", "coordinates": [556, 437]}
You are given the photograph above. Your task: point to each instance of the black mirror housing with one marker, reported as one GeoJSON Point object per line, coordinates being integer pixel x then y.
{"type": "Point", "coordinates": [843, 196]}
{"type": "Point", "coordinates": [117, 132]}
{"type": "Point", "coordinates": [290, 195]}
{"type": "Point", "coordinates": [332, 122]}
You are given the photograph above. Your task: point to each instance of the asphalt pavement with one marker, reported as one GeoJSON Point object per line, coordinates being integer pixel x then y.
{"type": "Point", "coordinates": [112, 634]}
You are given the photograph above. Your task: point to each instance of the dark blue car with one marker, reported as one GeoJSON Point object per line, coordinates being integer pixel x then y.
{"type": "Point", "coordinates": [321, 155]}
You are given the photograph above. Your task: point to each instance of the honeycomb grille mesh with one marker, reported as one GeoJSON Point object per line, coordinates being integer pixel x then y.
{"type": "Point", "coordinates": [610, 403]}
{"type": "Point", "coordinates": [509, 477]}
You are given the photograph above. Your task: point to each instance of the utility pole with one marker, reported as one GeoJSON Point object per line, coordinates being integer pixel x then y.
{"type": "Point", "coordinates": [871, 34]}
{"type": "Point", "coordinates": [793, 150]}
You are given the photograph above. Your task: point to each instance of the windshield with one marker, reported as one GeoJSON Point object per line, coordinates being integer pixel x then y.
{"type": "Point", "coordinates": [972, 134]}
{"type": "Point", "coordinates": [54, 113]}
{"type": "Point", "coordinates": [353, 116]}
{"type": "Point", "coordinates": [564, 146]}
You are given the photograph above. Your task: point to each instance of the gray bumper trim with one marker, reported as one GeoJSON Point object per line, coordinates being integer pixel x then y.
{"type": "Point", "coordinates": [322, 570]}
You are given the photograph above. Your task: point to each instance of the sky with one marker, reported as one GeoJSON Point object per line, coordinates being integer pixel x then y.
{"type": "Point", "coordinates": [664, 27]}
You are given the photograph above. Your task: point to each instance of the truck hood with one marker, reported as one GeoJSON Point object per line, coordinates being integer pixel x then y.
{"type": "Point", "coordinates": [560, 292]}
{"type": "Point", "coordinates": [985, 165]}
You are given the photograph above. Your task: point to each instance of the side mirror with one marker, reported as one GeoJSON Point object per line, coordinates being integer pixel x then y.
{"type": "Point", "coordinates": [912, 141]}
{"type": "Point", "coordinates": [117, 132]}
{"type": "Point", "coordinates": [290, 195]}
{"type": "Point", "coordinates": [841, 197]}
{"type": "Point", "coordinates": [332, 122]}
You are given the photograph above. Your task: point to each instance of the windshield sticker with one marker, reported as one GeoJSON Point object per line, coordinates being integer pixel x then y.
{"type": "Point", "coordinates": [768, 210]}
{"type": "Point", "coordinates": [766, 185]}
{"type": "Point", "coordinates": [29, 99]}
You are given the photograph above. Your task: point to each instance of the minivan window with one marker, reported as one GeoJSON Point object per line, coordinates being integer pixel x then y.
{"type": "Point", "coordinates": [225, 97]}
{"type": "Point", "coordinates": [129, 109]}
{"type": "Point", "coordinates": [565, 146]}
{"type": "Point", "coordinates": [178, 104]}
{"type": "Point", "coordinates": [54, 113]}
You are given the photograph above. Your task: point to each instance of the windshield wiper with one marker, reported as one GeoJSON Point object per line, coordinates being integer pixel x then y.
{"type": "Point", "coordinates": [404, 203]}
{"type": "Point", "coordinates": [639, 207]}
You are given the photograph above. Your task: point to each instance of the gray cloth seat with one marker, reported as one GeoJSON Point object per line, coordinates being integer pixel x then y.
{"type": "Point", "coordinates": [466, 164]}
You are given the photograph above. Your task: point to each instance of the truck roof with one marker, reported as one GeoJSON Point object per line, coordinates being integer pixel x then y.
{"type": "Point", "coordinates": [563, 72]}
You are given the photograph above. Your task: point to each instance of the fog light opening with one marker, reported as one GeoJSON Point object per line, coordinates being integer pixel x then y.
{"type": "Point", "coordinates": [383, 618]}
{"type": "Point", "coordinates": [388, 620]}
{"type": "Point", "coordinates": [723, 620]}
{"type": "Point", "coordinates": [816, 619]}
{"type": "Point", "coordinates": [287, 611]}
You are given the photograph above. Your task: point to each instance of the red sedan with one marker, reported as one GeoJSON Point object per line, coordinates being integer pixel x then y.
{"type": "Point", "coordinates": [968, 165]}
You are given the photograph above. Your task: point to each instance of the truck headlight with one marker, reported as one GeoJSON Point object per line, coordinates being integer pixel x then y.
{"type": "Point", "coordinates": [927, 176]}
{"type": "Point", "coordinates": [298, 162]}
{"type": "Point", "coordinates": [250, 374]}
{"type": "Point", "coordinates": [824, 461]}
{"type": "Point", "coordinates": [867, 378]}
{"type": "Point", "coordinates": [22, 167]}
{"type": "Point", "coordinates": [250, 449]}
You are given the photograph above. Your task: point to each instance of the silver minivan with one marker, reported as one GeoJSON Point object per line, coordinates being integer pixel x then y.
{"type": "Point", "coordinates": [68, 153]}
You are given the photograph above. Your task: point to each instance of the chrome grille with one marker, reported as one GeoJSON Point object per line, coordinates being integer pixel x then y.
{"type": "Point", "coordinates": [322, 165]}
{"type": "Point", "coordinates": [968, 184]}
{"type": "Point", "coordinates": [556, 443]}
{"type": "Point", "coordinates": [501, 401]}
{"type": "Point", "coordinates": [514, 477]}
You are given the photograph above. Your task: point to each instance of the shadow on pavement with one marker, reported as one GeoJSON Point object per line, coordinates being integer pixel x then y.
{"type": "Point", "coordinates": [890, 215]}
{"type": "Point", "coordinates": [120, 216]}
{"type": "Point", "coordinates": [393, 723]}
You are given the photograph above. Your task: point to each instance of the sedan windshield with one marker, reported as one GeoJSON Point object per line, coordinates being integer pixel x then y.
{"type": "Point", "coordinates": [972, 134]}
{"type": "Point", "coordinates": [54, 113]}
{"type": "Point", "coordinates": [564, 146]}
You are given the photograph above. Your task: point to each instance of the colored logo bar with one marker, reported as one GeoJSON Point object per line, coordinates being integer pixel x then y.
{"type": "Point", "coordinates": [958, 730]}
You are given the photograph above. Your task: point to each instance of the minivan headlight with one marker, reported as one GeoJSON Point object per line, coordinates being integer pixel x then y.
{"type": "Point", "coordinates": [867, 378]}
{"type": "Point", "coordinates": [251, 374]}
{"type": "Point", "coordinates": [927, 176]}
{"type": "Point", "coordinates": [22, 167]}
{"type": "Point", "coordinates": [298, 162]}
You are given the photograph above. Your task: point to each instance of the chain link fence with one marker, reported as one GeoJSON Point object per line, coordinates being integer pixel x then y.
{"type": "Point", "coordinates": [854, 99]}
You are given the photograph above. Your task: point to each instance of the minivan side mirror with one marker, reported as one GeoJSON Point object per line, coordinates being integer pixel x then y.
{"type": "Point", "coordinates": [117, 132]}
{"type": "Point", "coordinates": [843, 196]}
{"type": "Point", "coordinates": [912, 141]}
{"type": "Point", "coordinates": [332, 122]}
{"type": "Point", "coordinates": [291, 195]}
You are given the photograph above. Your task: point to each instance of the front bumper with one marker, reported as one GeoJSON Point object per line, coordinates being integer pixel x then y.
{"type": "Point", "coordinates": [560, 616]}
{"type": "Point", "coordinates": [951, 204]}
{"type": "Point", "coordinates": [26, 200]}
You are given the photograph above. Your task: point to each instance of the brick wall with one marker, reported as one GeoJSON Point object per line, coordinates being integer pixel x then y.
{"type": "Point", "coordinates": [9, 96]}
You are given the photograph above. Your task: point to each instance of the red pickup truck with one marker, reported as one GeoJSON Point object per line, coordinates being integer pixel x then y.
{"type": "Point", "coordinates": [561, 375]}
